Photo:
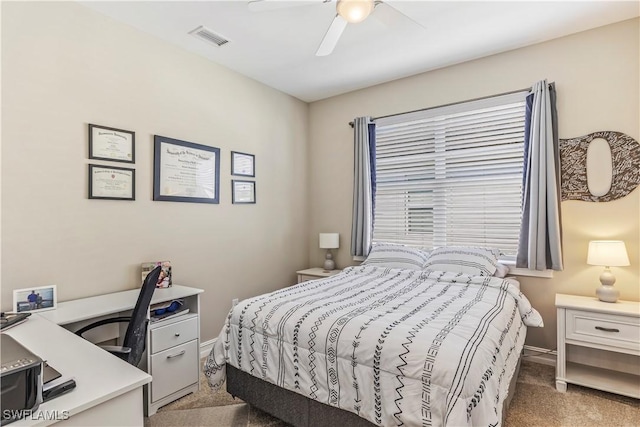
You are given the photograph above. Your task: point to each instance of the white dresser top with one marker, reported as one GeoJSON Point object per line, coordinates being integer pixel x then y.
{"type": "Point", "coordinates": [629, 308]}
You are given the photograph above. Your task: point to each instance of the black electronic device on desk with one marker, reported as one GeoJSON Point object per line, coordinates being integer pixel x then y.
{"type": "Point", "coordinates": [20, 379]}
{"type": "Point", "coordinates": [8, 320]}
{"type": "Point", "coordinates": [26, 381]}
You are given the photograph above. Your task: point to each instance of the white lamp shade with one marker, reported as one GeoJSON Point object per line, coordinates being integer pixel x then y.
{"type": "Point", "coordinates": [608, 253]}
{"type": "Point", "coordinates": [329, 240]}
{"type": "Point", "coordinates": [354, 11]}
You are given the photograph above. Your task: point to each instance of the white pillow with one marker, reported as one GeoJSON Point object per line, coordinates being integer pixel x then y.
{"type": "Point", "coordinates": [501, 270]}
{"type": "Point", "coordinates": [391, 255]}
{"type": "Point", "coordinates": [462, 259]}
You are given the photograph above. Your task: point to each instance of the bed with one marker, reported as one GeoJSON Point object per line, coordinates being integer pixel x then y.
{"type": "Point", "coordinates": [378, 344]}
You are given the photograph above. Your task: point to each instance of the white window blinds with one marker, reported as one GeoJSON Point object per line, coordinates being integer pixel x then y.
{"type": "Point", "coordinates": [452, 176]}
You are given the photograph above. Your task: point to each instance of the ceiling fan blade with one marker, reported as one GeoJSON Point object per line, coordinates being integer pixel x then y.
{"type": "Point", "coordinates": [332, 36]}
{"type": "Point", "coordinates": [268, 5]}
{"type": "Point", "coordinates": [390, 15]}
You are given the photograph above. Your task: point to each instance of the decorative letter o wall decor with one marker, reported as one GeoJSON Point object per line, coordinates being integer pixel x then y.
{"type": "Point", "coordinates": [599, 167]}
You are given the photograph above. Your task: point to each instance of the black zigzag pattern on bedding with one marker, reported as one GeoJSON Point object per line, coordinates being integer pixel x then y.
{"type": "Point", "coordinates": [368, 295]}
{"type": "Point", "coordinates": [341, 322]}
{"type": "Point", "coordinates": [363, 286]}
{"type": "Point", "coordinates": [414, 331]}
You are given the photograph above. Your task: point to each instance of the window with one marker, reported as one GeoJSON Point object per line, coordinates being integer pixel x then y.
{"type": "Point", "coordinates": [452, 176]}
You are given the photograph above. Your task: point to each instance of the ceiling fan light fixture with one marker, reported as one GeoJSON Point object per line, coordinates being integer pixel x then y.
{"type": "Point", "coordinates": [354, 11]}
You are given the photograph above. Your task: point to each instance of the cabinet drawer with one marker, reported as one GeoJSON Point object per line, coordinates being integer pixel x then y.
{"type": "Point", "coordinates": [174, 369]}
{"type": "Point", "coordinates": [605, 329]}
{"type": "Point", "coordinates": [173, 334]}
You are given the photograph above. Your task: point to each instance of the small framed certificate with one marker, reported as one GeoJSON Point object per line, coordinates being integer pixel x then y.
{"type": "Point", "coordinates": [243, 192]}
{"type": "Point", "coordinates": [112, 183]}
{"type": "Point", "coordinates": [242, 164]}
{"type": "Point", "coordinates": [112, 144]}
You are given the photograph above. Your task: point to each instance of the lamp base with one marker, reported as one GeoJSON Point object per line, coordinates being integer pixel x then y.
{"type": "Point", "coordinates": [329, 264]}
{"type": "Point", "coordinates": [607, 293]}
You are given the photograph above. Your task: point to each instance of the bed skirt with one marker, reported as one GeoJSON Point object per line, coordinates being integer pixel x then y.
{"type": "Point", "coordinates": [300, 411]}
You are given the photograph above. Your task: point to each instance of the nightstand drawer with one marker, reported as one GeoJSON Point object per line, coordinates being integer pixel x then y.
{"type": "Point", "coordinates": [303, 278]}
{"type": "Point", "coordinates": [605, 329]}
{"type": "Point", "coordinates": [173, 334]}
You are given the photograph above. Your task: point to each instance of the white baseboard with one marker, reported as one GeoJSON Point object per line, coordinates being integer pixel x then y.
{"type": "Point", "coordinates": [205, 347]}
{"type": "Point", "coordinates": [543, 356]}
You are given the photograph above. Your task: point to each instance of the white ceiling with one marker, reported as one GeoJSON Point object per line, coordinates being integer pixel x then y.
{"type": "Point", "coordinates": [277, 47]}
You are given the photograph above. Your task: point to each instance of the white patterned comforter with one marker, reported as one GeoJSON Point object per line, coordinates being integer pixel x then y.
{"type": "Point", "coordinates": [397, 347]}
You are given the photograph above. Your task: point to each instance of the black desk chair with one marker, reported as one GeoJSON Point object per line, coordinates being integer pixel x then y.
{"type": "Point", "coordinates": [135, 337]}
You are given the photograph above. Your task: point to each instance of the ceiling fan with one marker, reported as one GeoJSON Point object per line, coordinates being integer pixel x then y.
{"type": "Point", "coordinates": [347, 12]}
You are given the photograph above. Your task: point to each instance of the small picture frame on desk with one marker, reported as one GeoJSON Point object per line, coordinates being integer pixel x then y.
{"type": "Point", "coordinates": [35, 299]}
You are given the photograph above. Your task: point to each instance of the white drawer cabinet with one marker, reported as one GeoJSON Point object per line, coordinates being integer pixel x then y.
{"type": "Point", "coordinates": [173, 355]}
{"type": "Point", "coordinates": [609, 328]}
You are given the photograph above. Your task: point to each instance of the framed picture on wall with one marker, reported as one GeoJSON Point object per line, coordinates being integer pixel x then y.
{"type": "Point", "coordinates": [243, 164]}
{"type": "Point", "coordinates": [112, 183]}
{"type": "Point", "coordinates": [185, 171]}
{"type": "Point", "coordinates": [35, 299]}
{"type": "Point", "coordinates": [116, 145]}
{"type": "Point", "coordinates": [243, 192]}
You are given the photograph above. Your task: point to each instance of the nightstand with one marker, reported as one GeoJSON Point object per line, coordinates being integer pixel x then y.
{"type": "Point", "coordinates": [314, 273]}
{"type": "Point", "coordinates": [586, 322]}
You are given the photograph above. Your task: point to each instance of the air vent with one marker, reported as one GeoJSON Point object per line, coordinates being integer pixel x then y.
{"type": "Point", "coordinates": [209, 36]}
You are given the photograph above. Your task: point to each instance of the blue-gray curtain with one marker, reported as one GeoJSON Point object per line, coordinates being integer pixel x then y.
{"type": "Point", "coordinates": [364, 178]}
{"type": "Point", "coordinates": [540, 245]}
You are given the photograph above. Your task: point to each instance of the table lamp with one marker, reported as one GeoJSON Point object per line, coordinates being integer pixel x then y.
{"type": "Point", "coordinates": [607, 253]}
{"type": "Point", "coordinates": [329, 241]}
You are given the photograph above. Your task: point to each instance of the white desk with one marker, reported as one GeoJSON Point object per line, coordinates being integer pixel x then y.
{"type": "Point", "coordinates": [172, 353]}
{"type": "Point", "coordinates": [108, 390]}
{"type": "Point", "coordinates": [75, 311]}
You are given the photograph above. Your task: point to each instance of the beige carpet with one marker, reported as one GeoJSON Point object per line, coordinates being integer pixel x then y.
{"type": "Point", "coordinates": [536, 403]}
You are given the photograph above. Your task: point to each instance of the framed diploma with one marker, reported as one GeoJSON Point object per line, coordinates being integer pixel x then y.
{"type": "Point", "coordinates": [112, 144]}
{"type": "Point", "coordinates": [112, 183]}
{"type": "Point", "coordinates": [185, 171]}
{"type": "Point", "coordinates": [243, 191]}
{"type": "Point", "coordinates": [242, 164]}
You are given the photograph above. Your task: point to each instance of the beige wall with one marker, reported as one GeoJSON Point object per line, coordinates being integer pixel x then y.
{"type": "Point", "coordinates": [597, 80]}
{"type": "Point", "coordinates": [63, 66]}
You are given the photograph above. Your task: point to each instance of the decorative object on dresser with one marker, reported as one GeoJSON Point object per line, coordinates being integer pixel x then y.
{"type": "Point", "coordinates": [607, 253]}
{"type": "Point", "coordinates": [329, 241]}
{"type": "Point", "coordinates": [598, 344]}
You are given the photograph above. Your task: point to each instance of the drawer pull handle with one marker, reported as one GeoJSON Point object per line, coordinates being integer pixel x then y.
{"type": "Point", "coordinates": [177, 334]}
{"type": "Point", "coordinates": [176, 355]}
{"type": "Point", "coordinates": [600, 328]}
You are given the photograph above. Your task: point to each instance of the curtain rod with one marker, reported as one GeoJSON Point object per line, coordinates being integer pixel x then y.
{"type": "Point", "coordinates": [452, 103]}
